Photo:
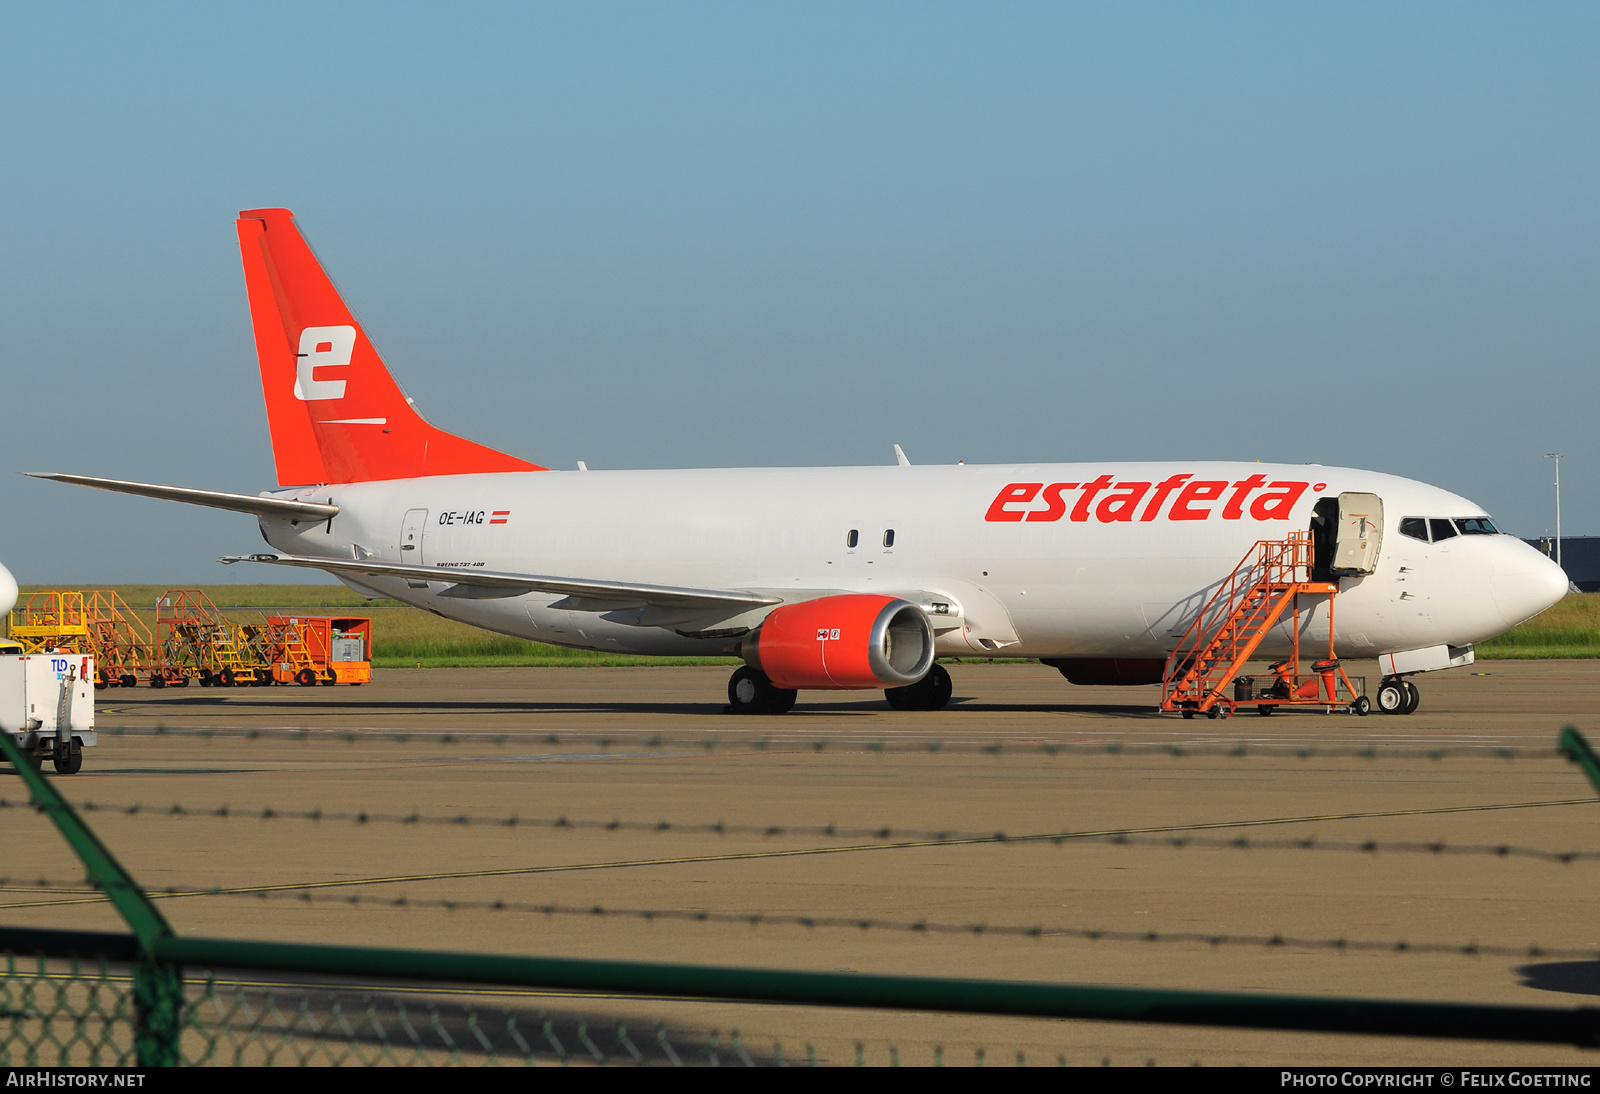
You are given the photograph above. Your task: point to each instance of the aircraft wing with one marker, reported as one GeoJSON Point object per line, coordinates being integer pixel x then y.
{"type": "Point", "coordinates": [592, 596]}
{"type": "Point", "coordinates": [217, 499]}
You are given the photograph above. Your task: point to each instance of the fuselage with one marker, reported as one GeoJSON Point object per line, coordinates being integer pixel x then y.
{"type": "Point", "coordinates": [1035, 560]}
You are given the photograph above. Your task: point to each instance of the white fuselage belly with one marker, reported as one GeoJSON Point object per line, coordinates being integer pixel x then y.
{"type": "Point", "coordinates": [1062, 587]}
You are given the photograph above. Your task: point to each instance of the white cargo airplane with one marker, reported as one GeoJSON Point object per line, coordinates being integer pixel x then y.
{"type": "Point", "coordinates": [830, 578]}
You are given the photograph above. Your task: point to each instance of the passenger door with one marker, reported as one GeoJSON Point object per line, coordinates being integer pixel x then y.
{"type": "Point", "coordinates": [1360, 535]}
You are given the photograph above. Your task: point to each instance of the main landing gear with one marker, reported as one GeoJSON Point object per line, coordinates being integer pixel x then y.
{"type": "Point", "coordinates": [750, 692]}
{"type": "Point", "coordinates": [932, 692]}
{"type": "Point", "coordinates": [1397, 695]}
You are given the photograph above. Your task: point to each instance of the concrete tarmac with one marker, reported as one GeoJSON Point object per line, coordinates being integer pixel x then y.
{"type": "Point", "coordinates": [1371, 857]}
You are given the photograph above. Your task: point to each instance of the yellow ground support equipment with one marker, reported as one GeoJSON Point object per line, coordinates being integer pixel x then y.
{"type": "Point", "coordinates": [292, 659]}
{"type": "Point", "coordinates": [94, 621]}
{"type": "Point", "coordinates": [192, 640]}
{"type": "Point", "coordinates": [123, 647]}
{"type": "Point", "coordinates": [51, 620]}
{"type": "Point", "coordinates": [196, 641]}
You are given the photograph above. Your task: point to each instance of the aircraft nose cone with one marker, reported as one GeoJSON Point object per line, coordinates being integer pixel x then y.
{"type": "Point", "coordinates": [8, 591]}
{"type": "Point", "coordinates": [1525, 582]}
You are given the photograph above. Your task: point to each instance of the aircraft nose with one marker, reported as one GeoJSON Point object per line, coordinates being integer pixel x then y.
{"type": "Point", "coordinates": [1524, 582]}
{"type": "Point", "coordinates": [8, 591]}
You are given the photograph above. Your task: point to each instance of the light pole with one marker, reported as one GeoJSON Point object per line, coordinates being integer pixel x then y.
{"type": "Point", "coordinates": [1557, 457]}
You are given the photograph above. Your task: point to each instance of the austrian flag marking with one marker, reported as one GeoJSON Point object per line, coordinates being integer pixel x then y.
{"type": "Point", "coordinates": [1111, 502]}
{"type": "Point", "coordinates": [499, 516]}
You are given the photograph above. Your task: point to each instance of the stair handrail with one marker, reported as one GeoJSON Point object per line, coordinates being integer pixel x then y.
{"type": "Point", "coordinates": [1269, 559]}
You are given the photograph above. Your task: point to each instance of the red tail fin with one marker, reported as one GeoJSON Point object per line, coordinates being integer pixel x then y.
{"type": "Point", "coordinates": [335, 413]}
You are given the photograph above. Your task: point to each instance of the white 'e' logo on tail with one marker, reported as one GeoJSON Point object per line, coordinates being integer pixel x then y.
{"type": "Point", "coordinates": [322, 347]}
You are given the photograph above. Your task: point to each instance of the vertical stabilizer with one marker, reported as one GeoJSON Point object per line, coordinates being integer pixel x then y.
{"type": "Point", "coordinates": [335, 413]}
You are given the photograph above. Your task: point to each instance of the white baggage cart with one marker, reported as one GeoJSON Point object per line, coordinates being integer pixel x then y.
{"type": "Point", "coordinates": [47, 705]}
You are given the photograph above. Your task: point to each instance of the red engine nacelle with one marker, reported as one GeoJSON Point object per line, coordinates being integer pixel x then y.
{"type": "Point", "coordinates": [852, 641]}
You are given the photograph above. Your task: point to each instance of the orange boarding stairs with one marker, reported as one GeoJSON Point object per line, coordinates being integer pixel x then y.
{"type": "Point", "coordinates": [1265, 585]}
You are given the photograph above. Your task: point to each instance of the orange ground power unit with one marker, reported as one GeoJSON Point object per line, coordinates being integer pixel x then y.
{"type": "Point", "coordinates": [321, 649]}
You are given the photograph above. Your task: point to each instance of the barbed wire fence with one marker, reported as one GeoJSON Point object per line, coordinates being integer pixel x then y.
{"type": "Point", "coordinates": [1172, 836]}
{"type": "Point", "coordinates": [128, 988]}
{"type": "Point", "coordinates": [908, 742]}
{"type": "Point", "coordinates": [821, 921]}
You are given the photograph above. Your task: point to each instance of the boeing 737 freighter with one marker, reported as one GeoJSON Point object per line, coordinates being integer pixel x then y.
{"type": "Point", "coordinates": [833, 577]}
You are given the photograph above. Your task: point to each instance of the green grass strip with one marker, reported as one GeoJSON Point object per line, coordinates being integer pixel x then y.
{"type": "Point", "coordinates": [405, 638]}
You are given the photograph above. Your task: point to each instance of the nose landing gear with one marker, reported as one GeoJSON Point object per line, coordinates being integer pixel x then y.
{"type": "Point", "coordinates": [1397, 695]}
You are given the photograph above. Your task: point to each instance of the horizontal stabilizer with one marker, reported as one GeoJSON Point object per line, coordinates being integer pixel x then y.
{"type": "Point", "coordinates": [216, 499]}
{"type": "Point", "coordinates": [596, 596]}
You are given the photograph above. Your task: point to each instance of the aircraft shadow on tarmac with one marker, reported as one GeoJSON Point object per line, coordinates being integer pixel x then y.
{"type": "Point", "coordinates": [346, 705]}
{"type": "Point", "coordinates": [1572, 977]}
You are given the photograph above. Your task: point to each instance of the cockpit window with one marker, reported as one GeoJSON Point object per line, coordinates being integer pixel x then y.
{"type": "Point", "coordinates": [1418, 527]}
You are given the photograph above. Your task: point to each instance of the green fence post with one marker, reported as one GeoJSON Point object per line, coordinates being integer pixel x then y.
{"type": "Point", "coordinates": [157, 985]}
{"type": "Point", "coordinates": [1571, 743]}
{"type": "Point", "coordinates": [158, 1012]}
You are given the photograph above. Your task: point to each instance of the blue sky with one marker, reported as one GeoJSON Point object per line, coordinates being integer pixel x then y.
{"type": "Point", "coordinates": [691, 235]}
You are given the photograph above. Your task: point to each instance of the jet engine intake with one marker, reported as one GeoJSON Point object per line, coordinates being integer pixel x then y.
{"type": "Point", "coordinates": [857, 640]}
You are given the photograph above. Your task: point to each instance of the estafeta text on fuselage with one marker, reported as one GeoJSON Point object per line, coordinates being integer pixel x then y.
{"type": "Point", "coordinates": [1178, 497]}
